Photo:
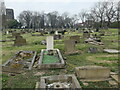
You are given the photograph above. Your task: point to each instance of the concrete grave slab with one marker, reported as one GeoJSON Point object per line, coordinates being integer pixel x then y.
{"type": "Point", "coordinates": [59, 82]}
{"type": "Point", "coordinates": [50, 59]}
{"type": "Point", "coordinates": [23, 60]}
{"type": "Point", "coordinates": [111, 51]}
{"type": "Point", "coordinates": [93, 73]}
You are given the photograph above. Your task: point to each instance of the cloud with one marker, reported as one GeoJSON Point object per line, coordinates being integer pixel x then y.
{"type": "Point", "coordinates": [66, 1]}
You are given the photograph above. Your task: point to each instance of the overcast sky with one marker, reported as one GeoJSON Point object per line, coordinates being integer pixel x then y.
{"type": "Point", "coordinates": [71, 6]}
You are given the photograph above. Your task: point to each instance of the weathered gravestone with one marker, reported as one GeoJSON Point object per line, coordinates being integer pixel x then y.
{"type": "Point", "coordinates": [93, 73]}
{"type": "Point", "coordinates": [102, 33]}
{"type": "Point", "coordinates": [70, 47]}
{"type": "Point", "coordinates": [15, 34]}
{"type": "Point", "coordinates": [86, 34]}
{"type": "Point", "coordinates": [50, 43]}
{"type": "Point", "coordinates": [75, 38]}
{"type": "Point", "coordinates": [56, 37]}
{"type": "Point", "coordinates": [19, 41]}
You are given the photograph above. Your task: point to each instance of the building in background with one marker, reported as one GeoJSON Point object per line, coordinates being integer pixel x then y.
{"type": "Point", "coordinates": [2, 14]}
{"type": "Point", "coordinates": [9, 14]}
{"type": "Point", "coordinates": [6, 14]}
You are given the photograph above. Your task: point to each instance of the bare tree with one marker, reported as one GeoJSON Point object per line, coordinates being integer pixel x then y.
{"type": "Point", "coordinates": [82, 16]}
{"type": "Point", "coordinates": [35, 20]}
{"type": "Point", "coordinates": [99, 11]}
{"type": "Point", "coordinates": [109, 11]}
{"type": "Point", "coordinates": [25, 18]}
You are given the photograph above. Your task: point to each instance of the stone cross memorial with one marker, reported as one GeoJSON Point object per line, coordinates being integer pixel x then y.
{"type": "Point", "coordinates": [49, 42]}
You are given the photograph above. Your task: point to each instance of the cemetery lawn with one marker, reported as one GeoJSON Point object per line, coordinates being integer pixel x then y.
{"type": "Point", "coordinates": [28, 79]}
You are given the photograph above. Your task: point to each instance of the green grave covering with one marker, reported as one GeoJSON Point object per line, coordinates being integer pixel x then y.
{"type": "Point", "coordinates": [48, 59]}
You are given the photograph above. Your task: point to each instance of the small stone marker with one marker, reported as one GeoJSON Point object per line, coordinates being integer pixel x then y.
{"type": "Point", "coordinates": [49, 42]}
{"type": "Point", "coordinates": [56, 32]}
{"type": "Point", "coordinates": [70, 47]}
{"type": "Point", "coordinates": [19, 41]}
{"type": "Point", "coordinates": [7, 32]}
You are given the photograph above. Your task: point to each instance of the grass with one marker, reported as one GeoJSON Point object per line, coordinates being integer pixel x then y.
{"type": "Point", "coordinates": [28, 79]}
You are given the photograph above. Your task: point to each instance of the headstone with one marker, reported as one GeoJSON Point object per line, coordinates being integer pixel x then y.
{"type": "Point", "coordinates": [50, 42]}
{"type": "Point", "coordinates": [86, 34]}
{"type": "Point", "coordinates": [75, 38]}
{"type": "Point", "coordinates": [70, 47]}
{"type": "Point", "coordinates": [19, 41]}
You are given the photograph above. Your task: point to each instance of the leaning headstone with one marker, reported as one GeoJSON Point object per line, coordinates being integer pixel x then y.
{"type": "Point", "coordinates": [70, 47]}
{"type": "Point", "coordinates": [19, 41]}
{"type": "Point", "coordinates": [49, 42]}
{"type": "Point", "coordinates": [75, 38]}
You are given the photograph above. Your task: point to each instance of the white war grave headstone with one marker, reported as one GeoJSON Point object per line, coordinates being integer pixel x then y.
{"type": "Point", "coordinates": [49, 42]}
